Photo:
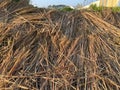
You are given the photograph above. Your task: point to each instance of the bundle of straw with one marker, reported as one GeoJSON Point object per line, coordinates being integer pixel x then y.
{"type": "Point", "coordinates": [54, 50]}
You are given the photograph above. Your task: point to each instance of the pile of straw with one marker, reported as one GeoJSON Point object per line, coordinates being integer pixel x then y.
{"type": "Point", "coordinates": [111, 17]}
{"type": "Point", "coordinates": [53, 50]}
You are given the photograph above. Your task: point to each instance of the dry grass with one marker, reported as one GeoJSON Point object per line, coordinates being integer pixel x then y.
{"type": "Point", "coordinates": [52, 50]}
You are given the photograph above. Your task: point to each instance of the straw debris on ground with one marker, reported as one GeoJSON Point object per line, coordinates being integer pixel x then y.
{"type": "Point", "coordinates": [53, 50]}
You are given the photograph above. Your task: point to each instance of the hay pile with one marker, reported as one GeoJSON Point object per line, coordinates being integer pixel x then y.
{"type": "Point", "coordinates": [53, 50]}
{"type": "Point", "coordinates": [111, 17]}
